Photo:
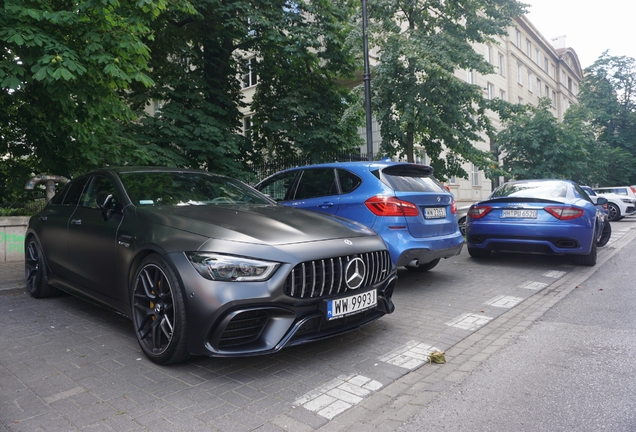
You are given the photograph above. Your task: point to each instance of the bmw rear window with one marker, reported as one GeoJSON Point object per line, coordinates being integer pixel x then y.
{"type": "Point", "coordinates": [410, 178]}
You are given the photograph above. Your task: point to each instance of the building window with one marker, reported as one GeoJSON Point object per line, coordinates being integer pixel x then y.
{"type": "Point", "coordinates": [553, 99]}
{"type": "Point", "coordinates": [547, 91]}
{"type": "Point", "coordinates": [537, 57]}
{"type": "Point", "coordinates": [552, 71]}
{"type": "Point", "coordinates": [452, 180]}
{"type": "Point", "coordinates": [490, 89]}
{"type": "Point", "coordinates": [470, 77]}
{"type": "Point", "coordinates": [475, 175]}
{"type": "Point", "coordinates": [539, 85]}
{"type": "Point", "coordinates": [249, 78]}
{"type": "Point", "coordinates": [545, 64]}
{"type": "Point", "coordinates": [569, 83]}
{"type": "Point", "coordinates": [528, 48]}
{"type": "Point", "coordinates": [247, 125]}
{"type": "Point", "coordinates": [576, 89]}
{"type": "Point", "coordinates": [502, 69]}
{"type": "Point", "coordinates": [489, 54]}
{"type": "Point", "coordinates": [563, 78]}
{"type": "Point", "coordinates": [502, 95]}
{"type": "Point", "coordinates": [518, 40]}
{"type": "Point", "coordinates": [519, 73]}
{"type": "Point", "coordinates": [529, 81]}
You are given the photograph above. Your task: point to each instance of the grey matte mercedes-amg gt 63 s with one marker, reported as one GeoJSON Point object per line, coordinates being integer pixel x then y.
{"type": "Point", "coordinates": [205, 265]}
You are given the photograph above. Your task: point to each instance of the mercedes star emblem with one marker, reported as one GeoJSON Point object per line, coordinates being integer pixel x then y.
{"type": "Point", "coordinates": [354, 273]}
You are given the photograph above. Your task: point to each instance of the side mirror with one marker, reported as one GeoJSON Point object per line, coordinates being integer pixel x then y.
{"type": "Point", "coordinates": [601, 201]}
{"type": "Point", "coordinates": [104, 202]}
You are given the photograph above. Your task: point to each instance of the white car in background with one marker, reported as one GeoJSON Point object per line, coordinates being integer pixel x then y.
{"type": "Point", "coordinates": [618, 205]}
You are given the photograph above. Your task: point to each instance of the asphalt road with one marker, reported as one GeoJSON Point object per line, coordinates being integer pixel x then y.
{"type": "Point", "coordinates": [69, 365]}
{"type": "Point", "coordinates": [573, 370]}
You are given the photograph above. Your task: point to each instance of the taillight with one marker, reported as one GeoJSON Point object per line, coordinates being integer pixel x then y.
{"type": "Point", "coordinates": [633, 189]}
{"type": "Point", "coordinates": [454, 208]}
{"type": "Point", "coordinates": [564, 213]}
{"type": "Point", "coordinates": [479, 211]}
{"type": "Point", "coordinates": [391, 206]}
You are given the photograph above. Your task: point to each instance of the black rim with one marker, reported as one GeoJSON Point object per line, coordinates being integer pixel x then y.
{"type": "Point", "coordinates": [32, 265]}
{"type": "Point", "coordinates": [153, 309]}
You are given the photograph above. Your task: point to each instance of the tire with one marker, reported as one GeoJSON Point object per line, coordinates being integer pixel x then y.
{"type": "Point", "coordinates": [423, 267]}
{"type": "Point", "coordinates": [586, 260]}
{"type": "Point", "coordinates": [35, 271]}
{"type": "Point", "coordinates": [158, 312]}
{"type": "Point", "coordinates": [462, 225]}
{"type": "Point", "coordinates": [478, 253]}
{"type": "Point", "coordinates": [614, 213]}
{"type": "Point", "coordinates": [605, 235]}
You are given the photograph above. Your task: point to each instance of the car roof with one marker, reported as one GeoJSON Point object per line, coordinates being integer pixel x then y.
{"type": "Point", "coordinates": [370, 165]}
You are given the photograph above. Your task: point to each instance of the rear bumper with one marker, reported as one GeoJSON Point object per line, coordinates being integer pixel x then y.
{"type": "Point", "coordinates": [424, 255]}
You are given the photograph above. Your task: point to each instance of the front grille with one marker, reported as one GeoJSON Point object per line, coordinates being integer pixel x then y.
{"type": "Point", "coordinates": [313, 279]}
{"type": "Point", "coordinates": [243, 328]}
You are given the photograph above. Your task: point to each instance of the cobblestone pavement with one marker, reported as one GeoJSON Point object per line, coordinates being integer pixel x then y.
{"type": "Point", "coordinates": [66, 364]}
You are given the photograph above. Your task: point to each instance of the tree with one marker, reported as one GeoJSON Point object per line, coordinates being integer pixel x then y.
{"type": "Point", "coordinates": [536, 145]}
{"type": "Point", "coordinates": [608, 91]}
{"type": "Point", "coordinates": [296, 51]}
{"type": "Point", "coordinates": [62, 64]}
{"type": "Point", "coordinates": [417, 99]}
{"type": "Point", "coordinates": [300, 103]}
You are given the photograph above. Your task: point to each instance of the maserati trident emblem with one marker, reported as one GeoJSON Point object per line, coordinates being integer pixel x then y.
{"type": "Point", "coordinates": [354, 273]}
{"type": "Point", "coordinates": [439, 199]}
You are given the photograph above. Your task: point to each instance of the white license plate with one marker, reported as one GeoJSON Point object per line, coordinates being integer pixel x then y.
{"type": "Point", "coordinates": [342, 307]}
{"type": "Point", "coordinates": [435, 212]}
{"type": "Point", "coordinates": [522, 214]}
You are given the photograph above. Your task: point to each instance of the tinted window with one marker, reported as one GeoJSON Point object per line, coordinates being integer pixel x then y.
{"type": "Point", "coordinates": [348, 181]}
{"type": "Point", "coordinates": [187, 188]}
{"type": "Point", "coordinates": [547, 189]}
{"type": "Point", "coordinates": [316, 182]}
{"type": "Point", "coordinates": [618, 191]}
{"type": "Point", "coordinates": [277, 186]}
{"type": "Point", "coordinates": [58, 198]}
{"type": "Point", "coordinates": [97, 185]}
{"type": "Point", "coordinates": [75, 191]}
{"type": "Point", "coordinates": [410, 179]}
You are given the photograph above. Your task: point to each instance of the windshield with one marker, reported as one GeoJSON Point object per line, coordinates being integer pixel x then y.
{"type": "Point", "coordinates": [544, 189]}
{"type": "Point", "coordinates": [187, 189]}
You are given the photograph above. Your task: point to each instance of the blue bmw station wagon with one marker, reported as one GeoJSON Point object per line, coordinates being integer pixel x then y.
{"type": "Point", "coordinates": [410, 209]}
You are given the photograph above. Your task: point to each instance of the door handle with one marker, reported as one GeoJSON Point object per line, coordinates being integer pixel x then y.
{"type": "Point", "coordinates": [43, 218]}
{"type": "Point", "coordinates": [325, 205]}
{"type": "Point", "coordinates": [76, 222]}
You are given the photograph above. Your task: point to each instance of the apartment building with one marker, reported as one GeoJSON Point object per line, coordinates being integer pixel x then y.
{"type": "Point", "coordinates": [527, 67]}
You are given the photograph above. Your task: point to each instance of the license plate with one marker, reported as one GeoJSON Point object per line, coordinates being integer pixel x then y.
{"type": "Point", "coordinates": [522, 214]}
{"type": "Point", "coordinates": [342, 307]}
{"type": "Point", "coordinates": [435, 212]}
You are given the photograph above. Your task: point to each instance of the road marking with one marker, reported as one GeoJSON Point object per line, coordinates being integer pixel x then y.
{"type": "Point", "coordinates": [409, 356]}
{"type": "Point", "coordinates": [503, 301]}
{"type": "Point", "coordinates": [338, 395]}
{"type": "Point", "coordinates": [555, 274]}
{"type": "Point", "coordinates": [469, 321]}
{"type": "Point", "coordinates": [536, 286]}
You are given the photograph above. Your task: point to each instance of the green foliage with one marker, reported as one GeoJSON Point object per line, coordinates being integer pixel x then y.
{"type": "Point", "coordinates": [299, 103]}
{"type": "Point", "coordinates": [417, 98]}
{"type": "Point", "coordinates": [61, 67]}
{"type": "Point", "coordinates": [608, 92]}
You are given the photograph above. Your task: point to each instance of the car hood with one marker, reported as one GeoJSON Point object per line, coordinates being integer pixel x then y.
{"type": "Point", "coordinates": [260, 224]}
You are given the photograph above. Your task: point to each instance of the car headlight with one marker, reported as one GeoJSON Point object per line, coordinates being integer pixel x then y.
{"type": "Point", "coordinates": [231, 268]}
{"type": "Point", "coordinates": [627, 200]}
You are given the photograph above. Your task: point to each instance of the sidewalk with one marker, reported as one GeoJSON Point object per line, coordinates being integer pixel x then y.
{"type": "Point", "coordinates": [12, 277]}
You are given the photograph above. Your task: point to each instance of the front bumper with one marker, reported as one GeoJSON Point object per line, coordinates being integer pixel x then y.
{"type": "Point", "coordinates": [231, 319]}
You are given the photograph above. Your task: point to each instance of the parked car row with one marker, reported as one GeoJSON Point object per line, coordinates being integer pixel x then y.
{"type": "Point", "coordinates": [206, 265]}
